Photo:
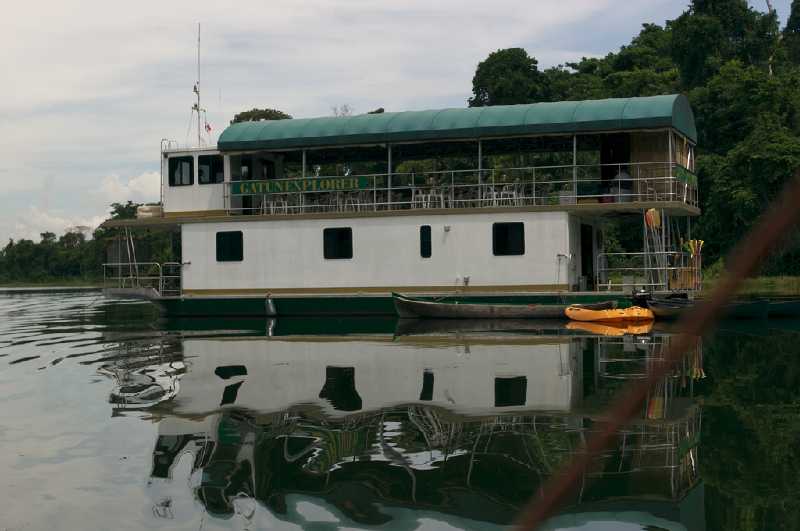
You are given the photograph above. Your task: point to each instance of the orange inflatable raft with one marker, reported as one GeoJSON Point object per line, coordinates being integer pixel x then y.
{"type": "Point", "coordinates": [628, 315]}
{"type": "Point", "coordinates": [612, 329]}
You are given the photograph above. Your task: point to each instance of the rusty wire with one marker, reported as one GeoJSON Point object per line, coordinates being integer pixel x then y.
{"type": "Point", "coordinates": [774, 225]}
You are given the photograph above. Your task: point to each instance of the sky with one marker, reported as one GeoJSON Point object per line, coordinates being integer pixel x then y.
{"type": "Point", "coordinates": [90, 87]}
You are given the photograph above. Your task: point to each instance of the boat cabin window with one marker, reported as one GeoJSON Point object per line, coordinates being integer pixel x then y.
{"type": "Point", "coordinates": [210, 169]}
{"type": "Point", "coordinates": [425, 241]}
{"type": "Point", "coordinates": [181, 171]}
{"type": "Point", "coordinates": [508, 239]}
{"type": "Point", "coordinates": [427, 386]}
{"type": "Point", "coordinates": [338, 243]}
{"type": "Point", "coordinates": [510, 391]}
{"type": "Point", "coordinates": [230, 246]}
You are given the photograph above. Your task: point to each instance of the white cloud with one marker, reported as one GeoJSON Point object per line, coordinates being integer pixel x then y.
{"type": "Point", "coordinates": [36, 221]}
{"type": "Point", "coordinates": [144, 188]}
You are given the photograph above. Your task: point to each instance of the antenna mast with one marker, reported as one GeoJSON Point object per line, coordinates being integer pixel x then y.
{"type": "Point", "coordinates": [196, 106]}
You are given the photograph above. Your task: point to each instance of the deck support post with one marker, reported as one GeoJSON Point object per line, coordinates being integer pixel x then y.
{"type": "Point", "coordinates": [389, 175]}
{"type": "Point", "coordinates": [575, 167]}
{"type": "Point", "coordinates": [304, 164]}
{"type": "Point", "coordinates": [480, 170]}
{"type": "Point", "coordinates": [671, 184]}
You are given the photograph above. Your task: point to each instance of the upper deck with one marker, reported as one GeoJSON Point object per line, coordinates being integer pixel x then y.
{"type": "Point", "coordinates": [606, 156]}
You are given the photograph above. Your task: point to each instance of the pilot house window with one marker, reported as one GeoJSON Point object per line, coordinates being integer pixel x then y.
{"type": "Point", "coordinates": [210, 169]}
{"type": "Point", "coordinates": [230, 246]}
{"type": "Point", "coordinates": [338, 243]}
{"type": "Point", "coordinates": [508, 239]}
{"type": "Point", "coordinates": [181, 171]}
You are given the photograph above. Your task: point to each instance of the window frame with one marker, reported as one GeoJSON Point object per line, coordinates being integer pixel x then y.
{"type": "Point", "coordinates": [170, 179]}
{"type": "Point", "coordinates": [211, 172]}
{"type": "Point", "coordinates": [220, 249]}
{"type": "Point", "coordinates": [325, 244]}
{"type": "Point", "coordinates": [495, 227]}
{"type": "Point", "coordinates": [425, 241]}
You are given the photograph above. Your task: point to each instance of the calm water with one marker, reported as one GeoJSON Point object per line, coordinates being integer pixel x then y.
{"type": "Point", "coordinates": [111, 418]}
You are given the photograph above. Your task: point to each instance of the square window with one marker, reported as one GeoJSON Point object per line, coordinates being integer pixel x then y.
{"type": "Point", "coordinates": [425, 241]}
{"type": "Point", "coordinates": [210, 169]}
{"type": "Point", "coordinates": [508, 239]}
{"type": "Point", "coordinates": [181, 171]}
{"type": "Point", "coordinates": [230, 246]}
{"type": "Point", "coordinates": [510, 391]}
{"type": "Point", "coordinates": [338, 243]}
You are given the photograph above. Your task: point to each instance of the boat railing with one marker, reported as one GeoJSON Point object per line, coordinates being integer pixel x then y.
{"type": "Point", "coordinates": [656, 272]}
{"type": "Point", "coordinates": [164, 278]}
{"type": "Point", "coordinates": [473, 188]}
{"type": "Point", "coordinates": [170, 284]}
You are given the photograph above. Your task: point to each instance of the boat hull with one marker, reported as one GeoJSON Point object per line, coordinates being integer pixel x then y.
{"type": "Point", "coordinates": [347, 305]}
{"type": "Point", "coordinates": [784, 308]}
{"type": "Point", "coordinates": [674, 308]}
{"type": "Point", "coordinates": [414, 308]}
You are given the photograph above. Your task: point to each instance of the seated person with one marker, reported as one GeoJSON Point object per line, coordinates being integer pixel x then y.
{"type": "Point", "coordinates": [622, 185]}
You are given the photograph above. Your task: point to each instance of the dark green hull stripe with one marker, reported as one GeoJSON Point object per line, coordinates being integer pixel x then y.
{"type": "Point", "coordinates": [344, 306]}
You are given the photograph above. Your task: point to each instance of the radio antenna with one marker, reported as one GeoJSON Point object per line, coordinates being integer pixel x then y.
{"type": "Point", "coordinates": [196, 107]}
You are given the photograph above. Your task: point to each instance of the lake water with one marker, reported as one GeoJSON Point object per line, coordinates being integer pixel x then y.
{"type": "Point", "coordinates": [111, 418]}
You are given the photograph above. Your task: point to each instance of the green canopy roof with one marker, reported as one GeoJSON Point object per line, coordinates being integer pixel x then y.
{"type": "Point", "coordinates": [655, 112]}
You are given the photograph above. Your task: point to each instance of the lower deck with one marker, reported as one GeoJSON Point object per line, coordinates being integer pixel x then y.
{"type": "Point", "coordinates": [351, 266]}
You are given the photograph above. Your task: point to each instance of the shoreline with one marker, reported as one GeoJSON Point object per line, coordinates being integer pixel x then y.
{"type": "Point", "coordinates": [782, 286]}
{"type": "Point", "coordinates": [14, 288]}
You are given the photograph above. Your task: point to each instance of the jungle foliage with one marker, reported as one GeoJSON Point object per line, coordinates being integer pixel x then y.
{"type": "Point", "coordinates": [74, 257]}
{"type": "Point", "coordinates": [255, 115]}
{"type": "Point", "coordinates": [741, 72]}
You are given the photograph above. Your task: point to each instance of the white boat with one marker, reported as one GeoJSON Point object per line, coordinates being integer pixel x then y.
{"type": "Point", "coordinates": [330, 215]}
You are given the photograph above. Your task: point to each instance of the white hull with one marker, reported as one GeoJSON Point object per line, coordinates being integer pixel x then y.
{"type": "Point", "coordinates": [287, 255]}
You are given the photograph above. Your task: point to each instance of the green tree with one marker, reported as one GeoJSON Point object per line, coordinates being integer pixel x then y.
{"type": "Point", "coordinates": [566, 84]}
{"type": "Point", "coordinates": [741, 184]}
{"type": "Point", "coordinates": [507, 77]}
{"type": "Point", "coordinates": [123, 210]}
{"type": "Point", "coordinates": [255, 115]}
{"type": "Point", "coordinates": [730, 103]}
{"type": "Point", "coordinates": [696, 47]}
{"type": "Point", "coordinates": [791, 34]}
{"type": "Point", "coordinates": [713, 32]}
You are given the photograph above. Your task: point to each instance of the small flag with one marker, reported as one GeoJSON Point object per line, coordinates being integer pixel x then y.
{"type": "Point", "coordinates": [208, 128]}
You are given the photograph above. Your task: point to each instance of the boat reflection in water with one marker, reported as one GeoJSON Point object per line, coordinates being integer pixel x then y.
{"type": "Point", "coordinates": [436, 424]}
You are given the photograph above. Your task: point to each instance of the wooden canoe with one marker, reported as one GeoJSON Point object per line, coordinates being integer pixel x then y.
{"type": "Point", "coordinates": [742, 309]}
{"type": "Point", "coordinates": [784, 308]}
{"type": "Point", "coordinates": [408, 308]}
{"type": "Point", "coordinates": [669, 308]}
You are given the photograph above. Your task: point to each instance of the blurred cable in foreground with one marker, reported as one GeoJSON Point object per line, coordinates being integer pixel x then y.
{"type": "Point", "coordinates": [774, 225]}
